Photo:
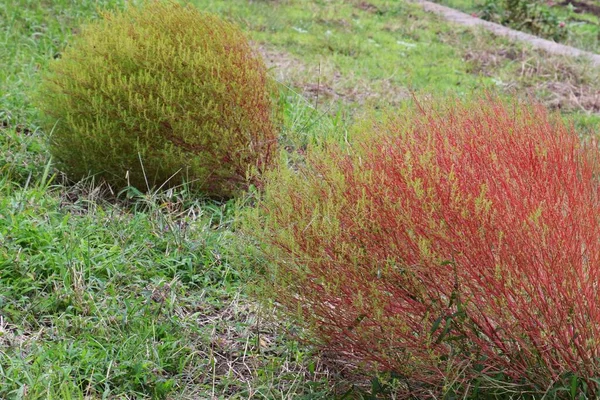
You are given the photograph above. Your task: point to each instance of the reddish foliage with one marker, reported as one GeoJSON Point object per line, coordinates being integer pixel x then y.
{"type": "Point", "coordinates": [447, 245]}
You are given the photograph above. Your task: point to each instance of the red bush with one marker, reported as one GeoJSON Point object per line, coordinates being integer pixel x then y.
{"type": "Point", "coordinates": [446, 245]}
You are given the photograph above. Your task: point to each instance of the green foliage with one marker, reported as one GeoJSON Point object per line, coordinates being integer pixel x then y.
{"type": "Point", "coordinates": [531, 16]}
{"type": "Point", "coordinates": [160, 94]}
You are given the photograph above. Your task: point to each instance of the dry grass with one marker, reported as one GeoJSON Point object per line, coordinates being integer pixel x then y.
{"type": "Point", "coordinates": [560, 82]}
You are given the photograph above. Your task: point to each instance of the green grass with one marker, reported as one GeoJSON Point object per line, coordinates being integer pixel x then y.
{"type": "Point", "coordinates": [104, 301]}
{"type": "Point", "coordinates": [393, 43]}
{"type": "Point", "coordinates": [582, 27]}
{"type": "Point", "coordinates": [380, 52]}
{"type": "Point", "coordinates": [130, 295]}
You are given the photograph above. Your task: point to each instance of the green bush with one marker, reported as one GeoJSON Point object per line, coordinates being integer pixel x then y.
{"type": "Point", "coordinates": [160, 94]}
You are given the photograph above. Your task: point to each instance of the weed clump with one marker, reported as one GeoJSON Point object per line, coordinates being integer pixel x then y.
{"type": "Point", "coordinates": [160, 94]}
{"type": "Point", "coordinates": [457, 247]}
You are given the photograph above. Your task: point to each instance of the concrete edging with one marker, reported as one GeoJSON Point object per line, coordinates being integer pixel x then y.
{"type": "Point", "coordinates": [467, 20]}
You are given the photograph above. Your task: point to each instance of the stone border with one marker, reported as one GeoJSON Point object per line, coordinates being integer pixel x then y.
{"type": "Point", "coordinates": [467, 20]}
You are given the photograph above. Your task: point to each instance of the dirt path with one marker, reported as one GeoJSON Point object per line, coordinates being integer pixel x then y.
{"type": "Point", "coordinates": [465, 19]}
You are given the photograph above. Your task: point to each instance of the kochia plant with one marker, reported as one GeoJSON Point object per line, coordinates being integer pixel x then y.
{"type": "Point", "coordinates": [446, 244]}
{"type": "Point", "coordinates": [161, 93]}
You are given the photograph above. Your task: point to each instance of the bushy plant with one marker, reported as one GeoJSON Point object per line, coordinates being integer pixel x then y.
{"type": "Point", "coordinates": [160, 93]}
{"type": "Point", "coordinates": [449, 245]}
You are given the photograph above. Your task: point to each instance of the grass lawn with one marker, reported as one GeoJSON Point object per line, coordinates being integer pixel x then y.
{"type": "Point", "coordinates": [132, 295]}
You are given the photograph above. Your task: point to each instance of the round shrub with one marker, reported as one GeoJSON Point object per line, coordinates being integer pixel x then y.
{"type": "Point", "coordinates": [455, 246]}
{"type": "Point", "coordinates": [160, 95]}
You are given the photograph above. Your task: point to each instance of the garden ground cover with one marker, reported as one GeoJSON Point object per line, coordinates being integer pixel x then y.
{"type": "Point", "coordinates": [131, 295]}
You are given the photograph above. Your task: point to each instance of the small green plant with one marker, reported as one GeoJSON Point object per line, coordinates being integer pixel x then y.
{"type": "Point", "coordinates": [161, 94]}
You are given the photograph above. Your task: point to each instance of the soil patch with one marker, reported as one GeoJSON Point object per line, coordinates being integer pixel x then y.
{"type": "Point", "coordinates": [583, 7]}
{"type": "Point", "coordinates": [368, 7]}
